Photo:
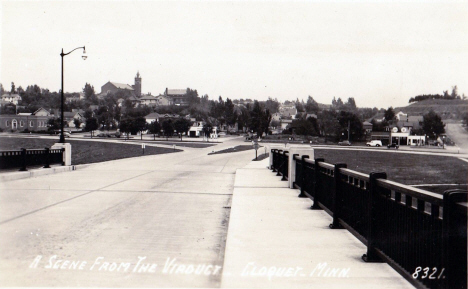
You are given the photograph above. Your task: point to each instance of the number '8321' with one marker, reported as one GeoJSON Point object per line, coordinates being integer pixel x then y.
{"type": "Point", "coordinates": [427, 272]}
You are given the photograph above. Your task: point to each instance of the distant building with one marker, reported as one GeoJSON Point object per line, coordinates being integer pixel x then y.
{"type": "Point", "coordinates": [159, 117]}
{"type": "Point", "coordinates": [160, 100]}
{"type": "Point", "coordinates": [401, 115]}
{"type": "Point", "coordinates": [11, 97]}
{"type": "Point", "coordinates": [35, 121]}
{"type": "Point", "coordinates": [113, 87]}
{"type": "Point", "coordinates": [287, 111]}
{"type": "Point", "coordinates": [196, 130]}
{"type": "Point", "coordinates": [276, 116]}
{"type": "Point", "coordinates": [70, 116]}
{"type": "Point", "coordinates": [148, 100]}
{"type": "Point", "coordinates": [379, 117]}
{"type": "Point", "coordinates": [72, 98]}
{"type": "Point", "coordinates": [367, 126]}
{"type": "Point", "coordinates": [285, 123]}
{"type": "Point", "coordinates": [177, 96]}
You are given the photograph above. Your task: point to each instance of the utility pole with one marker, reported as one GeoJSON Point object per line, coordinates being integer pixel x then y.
{"type": "Point", "coordinates": [349, 129]}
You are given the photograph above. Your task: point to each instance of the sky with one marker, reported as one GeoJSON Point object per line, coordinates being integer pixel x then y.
{"type": "Point", "coordinates": [380, 53]}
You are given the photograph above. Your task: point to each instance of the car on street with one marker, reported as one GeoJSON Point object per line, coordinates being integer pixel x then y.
{"type": "Point", "coordinates": [344, 143]}
{"type": "Point", "coordinates": [374, 143]}
{"type": "Point", "coordinates": [393, 145]}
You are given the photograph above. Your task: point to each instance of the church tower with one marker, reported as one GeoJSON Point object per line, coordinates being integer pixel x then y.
{"type": "Point", "coordinates": [137, 85]}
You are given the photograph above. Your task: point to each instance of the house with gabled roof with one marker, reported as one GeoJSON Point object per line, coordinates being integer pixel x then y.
{"type": "Point", "coordinates": [11, 97]}
{"type": "Point", "coordinates": [36, 121]}
{"type": "Point", "coordinates": [177, 96]}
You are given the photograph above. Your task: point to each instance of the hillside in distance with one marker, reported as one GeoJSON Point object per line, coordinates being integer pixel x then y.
{"type": "Point", "coordinates": [445, 108]}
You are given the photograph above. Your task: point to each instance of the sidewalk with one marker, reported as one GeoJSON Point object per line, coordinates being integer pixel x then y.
{"type": "Point", "coordinates": [275, 240]}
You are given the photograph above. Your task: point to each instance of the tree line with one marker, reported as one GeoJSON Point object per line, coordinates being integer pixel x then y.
{"type": "Point", "coordinates": [445, 95]}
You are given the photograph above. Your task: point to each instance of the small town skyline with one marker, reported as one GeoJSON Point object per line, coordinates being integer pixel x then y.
{"type": "Point", "coordinates": [381, 54]}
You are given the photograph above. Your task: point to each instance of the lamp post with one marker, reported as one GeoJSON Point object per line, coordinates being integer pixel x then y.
{"type": "Point", "coordinates": [84, 56]}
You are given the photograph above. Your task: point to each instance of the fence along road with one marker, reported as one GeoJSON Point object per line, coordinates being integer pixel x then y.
{"type": "Point", "coordinates": [109, 224]}
{"type": "Point", "coordinates": [406, 227]}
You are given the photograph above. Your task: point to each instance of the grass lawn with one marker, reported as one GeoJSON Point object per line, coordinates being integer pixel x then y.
{"type": "Point", "coordinates": [85, 152]}
{"type": "Point", "coordinates": [408, 169]}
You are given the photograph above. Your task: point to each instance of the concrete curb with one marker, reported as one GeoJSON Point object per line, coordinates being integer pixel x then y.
{"type": "Point", "coordinates": [40, 172]}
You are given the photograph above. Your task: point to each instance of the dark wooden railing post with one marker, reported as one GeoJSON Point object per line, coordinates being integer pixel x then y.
{"type": "Point", "coordinates": [302, 176]}
{"type": "Point", "coordinates": [279, 162]}
{"type": "Point", "coordinates": [23, 160]}
{"type": "Point", "coordinates": [455, 238]}
{"type": "Point", "coordinates": [47, 159]}
{"type": "Point", "coordinates": [336, 196]}
{"type": "Point", "coordinates": [372, 222]}
{"type": "Point", "coordinates": [285, 163]}
{"type": "Point", "coordinates": [274, 163]}
{"type": "Point", "coordinates": [316, 184]}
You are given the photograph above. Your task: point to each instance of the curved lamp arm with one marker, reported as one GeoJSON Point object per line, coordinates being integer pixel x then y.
{"type": "Point", "coordinates": [63, 54]}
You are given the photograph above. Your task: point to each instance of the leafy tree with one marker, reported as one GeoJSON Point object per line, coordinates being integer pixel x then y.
{"type": "Point", "coordinates": [351, 120]}
{"type": "Point", "coordinates": [304, 127]}
{"type": "Point", "coordinates": [432, 124]}
{"type": "Point", "coordinates": [54, 124]}
{"type": "Point", "coordinates": [77, 122]}
{"type": "Point", "coordinates": [154, 128]}
{"type": "Point", "coordinates": [299, 106]}
{"type": "Point", "coordinates": [379, 126]}
{"type": "Point", "coordinates": [182, 125]}
{"type": "Point", "coordinates": [2, 90]}
{"type": "Point", "coordinates": [88, 113]}
{"type": "Point", "coordinates": [133, 126]}
{"type": "Point", "coordinates": [140, 125]}
{"type": "Point", "coordinates": [244, 118]}
{"type": "Point", "coordinates": [8, 109]}
{"type": "Point", "coordinates": [88, 91]}
{"type": "Point", "coordinates": [13, 90]}
{"type": "Point", "coordinates": [207, 129]}
{"type": "Point", "coordinates": [91, 125]}
{"type": "Point", "coordinates": [229, 114]}
{"type": "Point", "coordinates": [125, 126]}
{"type": "Point", "coordinates": [272, 105]}
{"type": "Point", "coordinates": [192, 97]}
{"type": "Point", "coordinates": [454, 94]}
{"type": "Point", "coordinates": [329, 125]}
{"type": "Point", "coordinates": [168, 127]}
{"type": "Point", "coordinates": [127, 103]}
{"type": "Point", "coordinates": [350, 105]}
{"type": "Point", "coordinates": [389, 114]}
{"type": "Point", "coordinates": [366, 112]}
{"type": "Point", "coordinates": [311, 105]}
{"type": "Point", "coordinates": [104, 117]}
{"type": "Point", "coordinates": [259, 119]}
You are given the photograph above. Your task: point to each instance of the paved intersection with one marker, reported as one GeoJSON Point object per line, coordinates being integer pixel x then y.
{"type": "Point", "coordinates": [108, 224]}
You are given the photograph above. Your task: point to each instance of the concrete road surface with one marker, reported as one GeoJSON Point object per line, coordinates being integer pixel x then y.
{"type": "Point", "coordinates": [459, 135]}
{"type": "Point", "coordinates": [154, 221]}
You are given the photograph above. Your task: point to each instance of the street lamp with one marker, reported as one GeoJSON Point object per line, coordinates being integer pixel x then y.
{"type": "Point", "coordinates": [84, 56]}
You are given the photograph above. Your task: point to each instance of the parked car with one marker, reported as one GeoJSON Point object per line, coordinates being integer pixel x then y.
{"type": "Point", "coordinates": [393, 145]}
{"type": "Point", "coordinates": [374, 143]}
{"type": "Point", "coordinates": [344, 143]}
